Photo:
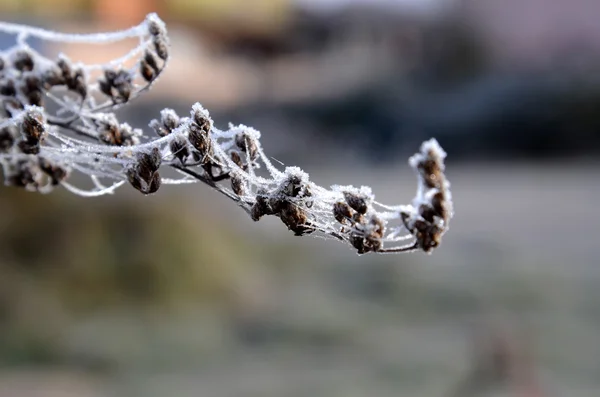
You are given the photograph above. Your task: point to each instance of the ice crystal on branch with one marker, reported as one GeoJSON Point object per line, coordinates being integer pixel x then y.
{"type": "Point", "coordinates": [41, 149]}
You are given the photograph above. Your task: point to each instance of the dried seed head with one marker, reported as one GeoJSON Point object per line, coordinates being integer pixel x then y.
{"type": "Point", "coordinates": [146, 71]}
{"type": "Point", "coordinates": [106, 88]}
{"type": "Point", "coordinates": [261, 206]}
{"type": "Point", "coordinates": [247, 144]}
{"type": "Point", "coordinates": [156, 27]}
{"type": "Point", "coordinates": [155, 183]}
{"type": "Point", "coordinates": [149, 163]}
{"type": "Point", "coordinates": [151, 61]}
{"type": "Point", "coordinates": [56, 172]}
{"type": "Point", "coordinates": [52, 77]}
{"type": "Point", "coordinates": [33, 126]}
{"type": "Point", "coordinates": [342, 212]}
{"type": "Point", "coordinates": [32, 88]}
{"type": "Point", "coordinates": [237, 184]}
{"type": "Point", "coordinates": [8, 136]}
{"type": "Point", "coordinates": [169, 119]}
{"type": "Point", "coordinates": [295, 218]}
{"type": "Point", "coordinates": [66, 69]}
{"type": "Point", "coordinates": [7, 87]}
{"type": "Point", "coordinates": [356, 202]}
{"type": "Point", "coordinates": [23, 61]}
{"type": "Point", "coordinates": [158, 127]}
{"type": "Point", "coordinates": [78, 83]}
{"type": "Point", "coordinates": [161, 47]}
{"type": "Point", "coordinates": [123, 84]}
{"type": "Point", "coordinates": [439, 204]}
{"type": "Point", "coordinates": [237, 160]}
{"type": "Point", "coordinates": [179, 148]}
{"type": "Point", "coordinates": [199, 139]}
{"type": "Point", "coordinates": [26, 174]}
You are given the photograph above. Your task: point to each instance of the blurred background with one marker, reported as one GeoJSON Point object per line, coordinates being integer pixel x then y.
{"type": "Point", "coordinates": [181, 294]}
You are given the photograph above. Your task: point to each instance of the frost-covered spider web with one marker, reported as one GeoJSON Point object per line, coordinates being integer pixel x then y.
{"type": "Point", "coordinates": [57, 120]}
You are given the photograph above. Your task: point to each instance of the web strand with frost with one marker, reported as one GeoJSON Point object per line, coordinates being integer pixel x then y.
{"type": "Point", "coordinates": [41, 149]}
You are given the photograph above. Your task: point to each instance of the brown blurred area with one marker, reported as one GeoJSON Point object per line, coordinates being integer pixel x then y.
{"type": "Point", "coordinates": [181, 294]}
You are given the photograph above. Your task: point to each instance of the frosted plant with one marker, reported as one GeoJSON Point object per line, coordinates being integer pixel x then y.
{"type": "Point", "coordinates": [57, 120]}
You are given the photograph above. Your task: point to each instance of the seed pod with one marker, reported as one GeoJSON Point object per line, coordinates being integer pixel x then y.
{"type": "Point", "coordinates": [23, 61]}
{"type": "Point", "coordinates": [438, 202]}
{"type": "Point", "coordinates": [342, 212]}
{"type": "Point", "coordinates": [56, 172]}
{"type": "Point", "coordinates": [151, 61]}
{"type": "Point", "coordinates": [161, 47]}
{"type": "Point", "coordinates": [7, 138]}
{"type": "Point", "coordinates": [237, 184]}
{"type": "Point", "coordinates": [52, 77]}
{"type": "Point", "coordinates": [199, 139]}
{"type": "Point", "coordinates": [106, 88]}
{"type": "Point", "coordinates": [169, 119]}
{"type": "Point", "coordinates": [295, 218]}
{"type": "Point", "coordinates": [357, 203]}
{"type": "Point", "coordinates": [155, 183]}
{"type": "Point", "coordinates": [146, 71]}
{"type": "Point", "coordinates": [159, 128]}
{"type": "Point", "coordinates": [123, 84]}
{"type": "Point", "coordinates": [247, 144]}
{"type": "Point", "coordinates": [32, 126]}
{"type": "Point", "coordinates": [179, 148]}
{"type": "Point", "coordinates": [7, 87]}
{"type": "Point", "coordinates": [64, 64]}
{"type": "Point", "coordinates": [237, 160]}
{"type": "Point", "coordinates": [78, 84]}
{"type": "Point", "coordinates": [261, 207]}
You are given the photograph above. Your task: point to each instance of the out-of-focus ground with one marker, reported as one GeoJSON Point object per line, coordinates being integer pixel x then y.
{"type": "Point", "coordinates": [181, 294]}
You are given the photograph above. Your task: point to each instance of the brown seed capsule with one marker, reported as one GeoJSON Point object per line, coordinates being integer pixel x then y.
{"type": "Point", "coordinates": [247, 144]}
{"type": "Point", "coordinates": [179, 148]}
{"type": "Point", "coordinates": [161, 47]}
{"type": "Point", "coordinates": [438, 202]}
{"type": "Point", "coordinates": [357, 203]}
{"type": "Point", "coordinates": [7, 138]}
{"type": "Point", "coordinates": [135, 180]}
{"type": "Point", "coordinates": [149, 163]}
{"type": "Point", "coordinates": [123, 85]}
{"type": "Point", "coordinates": [56, 172]}
{"type": "Point", "coordinates": [295, 218]}
{"type": "Point", "coordinates": [237, 160]}
{"type": "Point", "coordinates": [77, 83]}
{"type": "Point", "coordinates": [32, 126]}
{"type": "Point", "coordinates": [200, 140]}
{"type": "Point", "coordinates": [7, 87]}
{"type": "Point", "coordinates": [155, 183]}
{"type": "Point", "coordinates": [106, 88]}
{"type": "Point", "coordinates": [29, 146]}
{"type": "Point", "coordinates": [261, 207]}
{"type": "Point", "coordinates": [151, 61]}
{"type": "Point", "coordinates": [342, 212]}
{"type": "Point", "coordinates": [64, 64]}
{"type": "Point", "coordinates": [146, 71]}
{"type": "Point", "coordinates": [159, 128]}
{"type": "Point", "coordinates": [52, 77]}
{"type": "Point", "coordinates": [23, 61]}
{"type": "Point", "coordinates": [169, 119]}
{"type": "Point", "coordinates": [427, 212]}
{"type": "Point", "coordinates": [237, 184]}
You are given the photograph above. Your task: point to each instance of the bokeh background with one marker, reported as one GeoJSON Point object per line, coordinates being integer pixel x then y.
{"type": "Point", "coordinates": [180, 294]}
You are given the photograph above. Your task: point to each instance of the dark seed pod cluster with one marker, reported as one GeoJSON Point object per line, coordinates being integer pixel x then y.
{"type": "Point", "coordinates": [429, 219]}
{"type": "Point", "coordinates": [144, 174]}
